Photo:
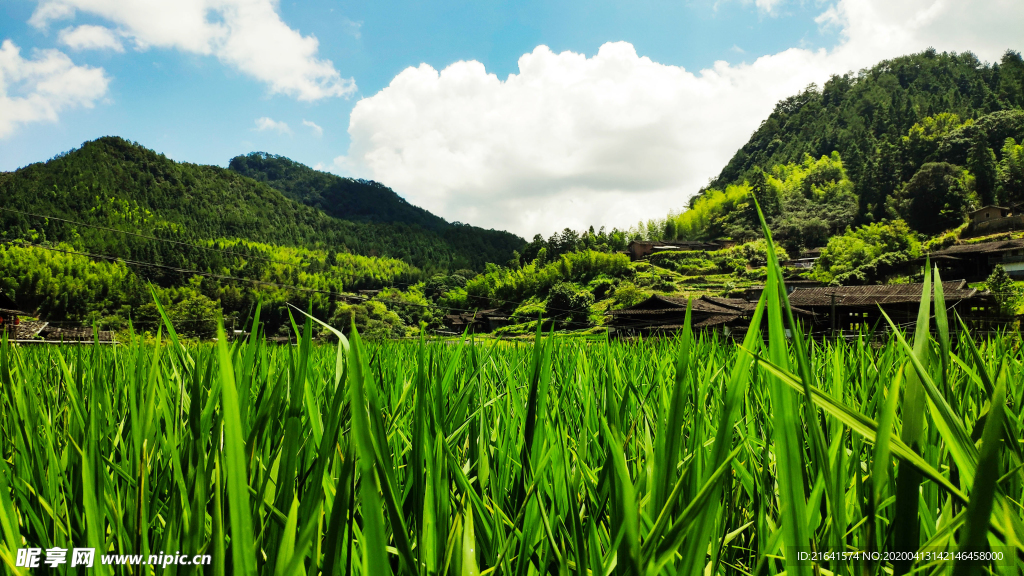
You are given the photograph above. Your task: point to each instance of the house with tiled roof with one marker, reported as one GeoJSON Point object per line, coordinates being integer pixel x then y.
{"type": "Point", "coordinates": [976, 261]}
{"type": "Point", "coordinates": [661, 314]}
{"type": "Point", "coordinates": [852, 308]}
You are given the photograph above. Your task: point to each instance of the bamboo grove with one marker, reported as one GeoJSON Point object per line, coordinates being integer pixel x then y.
{"type": "Point", "coordinates": [684, 456]}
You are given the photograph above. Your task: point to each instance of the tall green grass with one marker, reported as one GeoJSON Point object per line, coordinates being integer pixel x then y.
{"type": "Point", "coordinates": [683, 456]}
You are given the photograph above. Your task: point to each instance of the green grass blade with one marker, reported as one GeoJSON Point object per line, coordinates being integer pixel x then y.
{"type": "Point", "coordinates": [235, 469]}
{"type": "Point", "coordinates": [374, 549]}
{"type": "Point", "coordinates": [983, 492]}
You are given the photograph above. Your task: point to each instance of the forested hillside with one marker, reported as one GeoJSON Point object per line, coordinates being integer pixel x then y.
{"type": "Point", "coordinates": [864, 117]}
{"type": "Point", "coordinates": [345, 198]}
{"type": "Point", "coordinates": [925, 138]}
{"type": "Point", "coordinates": [369, 201]}
{"type": "Point", "coordinates": [876, 167]}
{"type": "Point", "coordinates": [119, 200]}
{"type": "Point", "coordinates": [118, 184]}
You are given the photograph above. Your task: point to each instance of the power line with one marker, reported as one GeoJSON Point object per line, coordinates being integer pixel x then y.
{"type": "Point", "coordinates": [236, 278]}
{"type": "Point", "coordinates": [221, 276]}
{"type": "Point", "coordinates": [147, 237]}
{"type": "Point", "coordinates": [276, 284]}
{"type": "Point", "coordinates": [230, 252]}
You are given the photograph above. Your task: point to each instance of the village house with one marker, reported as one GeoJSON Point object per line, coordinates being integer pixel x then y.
{"type": "Point", "coordinates": [36, 330]}
{"type": "Point", "coordinates": [806, 259]}
{"type": "Point", "coordinates": [480, 322]}
{"type": "Point", "coordinates": [665, 314]}
{"type": "Point", "coordinates": [990, 219]}
{"type": "Point", "coordinates": [976, 261]}
{"type": "Point", "coordinates": [9, 317]}
{"type": "Point", "coordinates": [823, 310]}
{"type": "Point", "coordinates": [838, 309]}
{"type": "Point", "coordinates": [640, 249]}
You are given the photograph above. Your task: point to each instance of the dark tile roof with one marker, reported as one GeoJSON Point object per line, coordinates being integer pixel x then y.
{"type": "Point", "coordinates": [715, 320]}
{"type": "Point", "coordinates": [29, 329]}
{"type": "Point", "coordinates": [715, 305]}
{"type": "Point", "coordinates": [990, 206]}
{"type": "Point", "coordinates": [731, 303]}
{"type": "Point", "coordinates": [980, 248]}
{"type": "Point", "coordinates": [658, 304]}
{"type": "Point", "coordinates": [645, 312]}
{"type": "Point", "coordinates": [75, 333]}
{"type": "Point", "coordinates": [952, 290]}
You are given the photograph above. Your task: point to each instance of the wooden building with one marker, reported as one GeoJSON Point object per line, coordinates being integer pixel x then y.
{"type": "Point", "coordinates": [9, 321]}
{"type": "Point", "coordinates": [480, 322]}
{"type": "Point", "coordinates": [74, 333]}
{"type": "Point", "coordinates": [639, 250]}
{"type": "Point", "coordinates": [976, 261]}
{"type": "Point", "coordinates": [837, 309]}
{"type": "Point", "coordinates": [753, 293]}
{"type": "Point", "coordinates": [806, 259]}
{"type": "Point", "coordinates": [991, 219]}
{"type": "Point", "coordinates": [10, 318]}
{"type": "Point", "coordinates": [665, 314]}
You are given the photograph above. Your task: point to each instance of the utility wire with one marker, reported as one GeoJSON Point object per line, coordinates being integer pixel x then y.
{"type": "Point", "coordinates": [238, 279]}
{"type": "Point", "coordinates": [147, 237]}
{"type": "Point", "coordinates": [219, 276]}
{"type": "Point", "coordinates": [212, 249]}
{"type": "Point", "coordinates": [276, 284]}
{"type": "Point", "coordinates": [318, 291]}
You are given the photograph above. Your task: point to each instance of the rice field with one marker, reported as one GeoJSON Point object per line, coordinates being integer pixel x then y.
{"type": "Point", "coordinates": [685, 456]}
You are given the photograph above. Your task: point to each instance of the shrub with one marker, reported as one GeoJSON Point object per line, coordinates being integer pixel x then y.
{"type": "Point", "coordinates": [627, 294]}
{"type": "Point", "coordinates": [569, 304]}
{"type": "Point", "coordinates": [935, 199]}
{"type": "Point", "coordinates": [601, 287]}
{"type": "Point", "coordinates": [847, 253]}
{"type": "Point", "coordinates": [1006, 292]}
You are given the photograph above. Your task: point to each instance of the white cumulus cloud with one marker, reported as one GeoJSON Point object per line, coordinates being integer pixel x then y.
{"type": "Point", "coordinates": [89, 37]}
{"type": "Point", "coordinates": [313, 126]}
{"type": "Point", "coordinates": [38, 88]}
{"type": "Point", "coordinates": [263, 124]}
{"type": "Point", "coordinates": [767, 5]}
{"type": "Point", "coordinates": [246, 34]}
{"type": "Point", "coordinates": [617, 137]}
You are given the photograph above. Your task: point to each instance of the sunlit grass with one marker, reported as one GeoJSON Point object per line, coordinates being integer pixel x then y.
{"type": "Point", "coordinates": [692, 455]}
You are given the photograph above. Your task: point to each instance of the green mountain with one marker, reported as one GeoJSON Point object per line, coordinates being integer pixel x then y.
{"type": "Point", "coordinates": [854, 113]}
{"type": "Point", "coordinates": [924, 138]}
{"type": "Point", "coordinates": [344, 198]}
{"type": "Point", "coordinates": [372, 202]}
{"type": "Point", "coordinates": [117, 184]}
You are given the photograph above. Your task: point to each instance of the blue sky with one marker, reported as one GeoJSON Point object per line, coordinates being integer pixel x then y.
{"type": "Point", "coordinates": [200, 96]}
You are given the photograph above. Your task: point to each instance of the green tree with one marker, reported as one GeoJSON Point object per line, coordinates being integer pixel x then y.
{"type": "Point", "coordinates": [1007, 293]}
{"type": "Point", "coordinates": [569, 304]}
{"type": "Point", "coordinates": [195, 316]}
{"type": "Point", "coordinates": [542, 257]}
{"type": "Point", "coordinates": [981, 161]}
{"type": "Point", "coordinates": [861, 255]}
{"type": "Point", "coordinates": [670, 229]}
{"type": "Point", "coordinates": [934, 200]}
{"type": "Point", "coordinates": [627, 294]}
{"type": "Point", "coordinates": [767, 197]}
{"type": "Point", "coordinates": [1010, 174]}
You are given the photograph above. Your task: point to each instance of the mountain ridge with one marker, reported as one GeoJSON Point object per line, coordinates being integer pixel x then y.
{"type": "Point", "coordinates": [344, 198]}
{"type": "Point", "coordinates": [119, 184]}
